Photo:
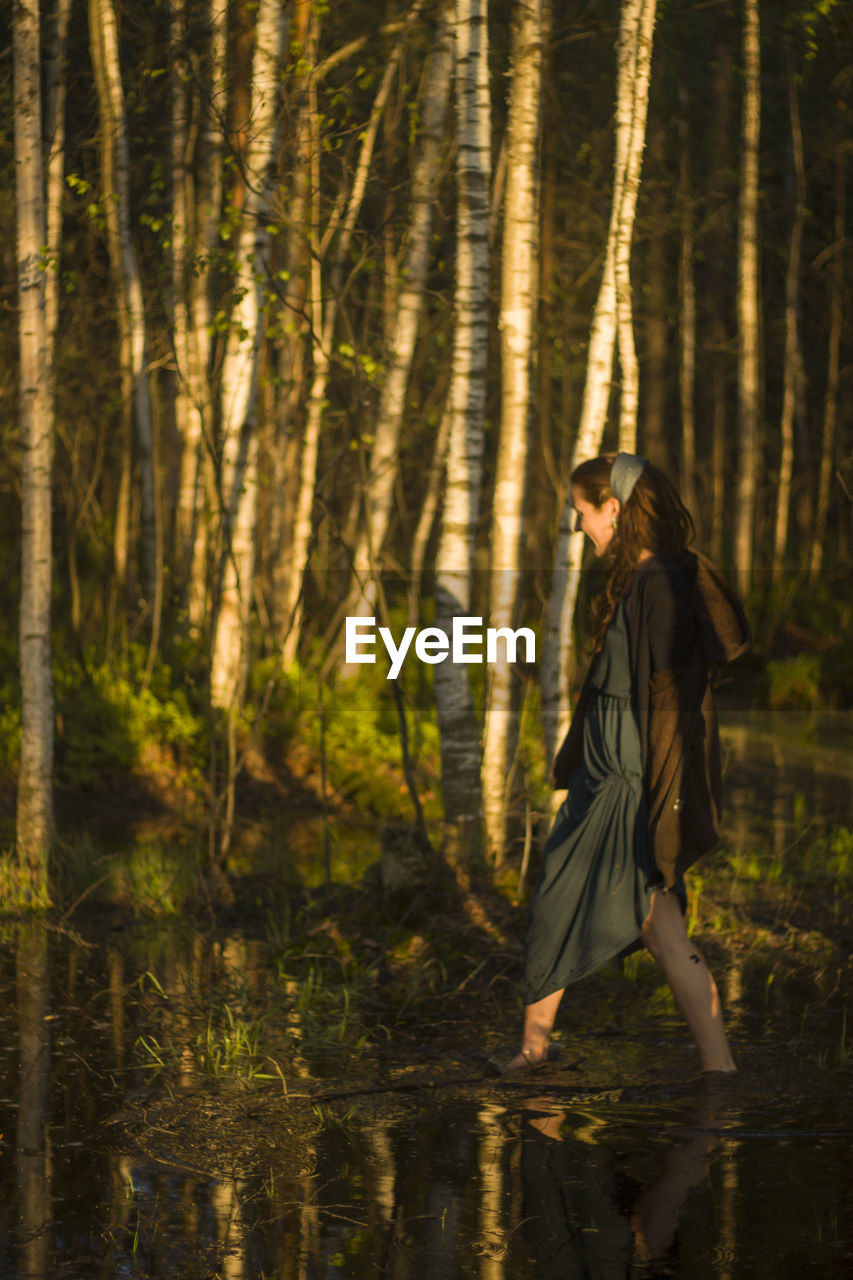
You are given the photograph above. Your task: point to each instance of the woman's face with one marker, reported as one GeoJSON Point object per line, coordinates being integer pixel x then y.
{"type": "Point", "coordinates": [595, 522]}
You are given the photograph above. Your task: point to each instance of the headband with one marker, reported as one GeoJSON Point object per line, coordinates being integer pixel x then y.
{"type": "Point", "coordinates": [624, 474]}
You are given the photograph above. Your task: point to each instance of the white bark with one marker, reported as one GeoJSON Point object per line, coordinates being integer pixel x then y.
{"type": "Point", "coordinates": [631, 113]}
{"type": "Point", "coordinates": [635, 51]}
{"type": "Point", "coordinates": [687, 304]}
{"type": "Point", "coordinates": [519, 301]}
{"type": "Point", "coordinates": [240, 370]}
{"type": "Point", "coordinates": [34, 832]}
{"type": "Point", "coordinates": [747, 302]}
{"type": "Point", "coordinates": [324, 314]}
{"type": "Point", "coordinates": [792, 337]}
{"type": "Point", "coordinates": [378, 498]}
{"type": "Point", "coordinates": [56, 85]}
{"type": "Point", "coordinates": [460, 753]}
{"type": "Point", "coordinates": [836, 318]}
{"type": "Point", "coordinates": [116, 189]}
{"type": "Point", "coordinates": [198, 488]}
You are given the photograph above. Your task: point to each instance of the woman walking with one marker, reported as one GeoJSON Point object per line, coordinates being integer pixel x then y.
{"type": "Point", "coordinates": [641, 760]}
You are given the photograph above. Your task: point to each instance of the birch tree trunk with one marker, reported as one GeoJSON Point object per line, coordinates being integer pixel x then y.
{"type": "Point", "coordinates": [197, 482]}
{"type": "Point", "coordinates": [379, 494]}
{"type": "Point", "coordinates": [115, 178]}
{"type": "Point", "coordinates": [631, 114]}
{"type": "Point", "coordinates": [240, 371]}
{"type": "Point", "coordinates": [460, 750]}
{"type": "Point", "coordinates": [836, 318]}
{"type": "Point", "coordinates": [519, 299]}
{"type": "Point", "coordinates": [324, 315]}
{"type": "Point", "coordinates": [635, 51]}
{"type": "Point", "coordinates": [747, 305]}
{"type": "Point", "coordinates": [792, 335]}
{"type": "Point", "coordinates": [687, 304]}
{"type": "Point", "coordinates": [35, 826]}
{"type": "Point", "coordinates": [718, 251]}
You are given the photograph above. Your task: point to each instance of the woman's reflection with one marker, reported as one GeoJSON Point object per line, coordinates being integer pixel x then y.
{"type": "Point", "coordinates": [583, 1215]}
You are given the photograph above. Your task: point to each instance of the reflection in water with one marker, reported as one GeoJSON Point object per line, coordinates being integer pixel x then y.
{"type": "Point", "coordinates": [582, 1215]}
{"type": "Point", "coordinates": [34, 1210]}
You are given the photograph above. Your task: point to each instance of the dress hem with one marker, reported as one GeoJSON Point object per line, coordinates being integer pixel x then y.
{"type": "Point", "coordinates": [625, 948]}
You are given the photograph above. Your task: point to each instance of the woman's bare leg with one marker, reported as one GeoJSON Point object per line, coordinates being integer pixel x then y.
{"type": "Point", "coordinates": [538, 1022]}
{"type": "Point", "coordinates": [665, 934]}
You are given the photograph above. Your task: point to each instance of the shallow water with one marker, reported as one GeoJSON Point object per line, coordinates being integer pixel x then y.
{"type": "Point", "coordinates": [416, 1159]}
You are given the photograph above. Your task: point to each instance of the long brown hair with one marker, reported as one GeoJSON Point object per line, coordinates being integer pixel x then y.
{"type": "Point", "coordinates": [654, 518]}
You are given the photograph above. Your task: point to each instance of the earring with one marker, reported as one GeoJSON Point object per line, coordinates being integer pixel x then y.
{"type": "Point", "coordinates": [614, 521]}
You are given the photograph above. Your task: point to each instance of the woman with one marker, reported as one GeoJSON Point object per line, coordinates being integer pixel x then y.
{"type": "Point", "coordinates": [641, 761]}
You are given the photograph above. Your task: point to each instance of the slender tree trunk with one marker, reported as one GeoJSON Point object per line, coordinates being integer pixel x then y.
{"type": "Point", "coordinates": [115, 176]}
{"type": "Point", "coordinates": [836, 318]}
{"type": "Point", "coordinates": [687, 301]}
{"type": "Point", "coordinates": [460, 751]}
{"type": "Point", "coordinates": [324, 315]}
{"type": "Point", "coordinates": [378, 497]}
{"type": "Point", "coordinates": [792, 335]}
{"type": "Point", "coordinates": [240, 372]}
{"type": "Point", "coordinates": [635, 50]}
{"type": "Point", "coordinates": [655, 438]}
{"type": "Point", "coordinates": [292, 348]}
{"type": "Point", "coordinates": [748, 318]}
{"type": "Point", "coordinates": [56, 84]}
{"type": "Point", "coordinates": [35, 776]}
{"type": "Point", "coordinates": [718, 253]}
{"type": "Point", "coordinates": [519, 290]}
{"type": "Point", "coordinates": [631, 113]}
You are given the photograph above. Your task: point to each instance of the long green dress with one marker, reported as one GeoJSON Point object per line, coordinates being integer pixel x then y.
{"type": "Point", "coordinates": [597, 873]}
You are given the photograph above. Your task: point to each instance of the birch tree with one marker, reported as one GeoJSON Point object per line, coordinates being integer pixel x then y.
{"type": "Point", "coordinates": [124, 262]}
{"type": "Point", "coordinates": [383, 470]}
{"type": "Point", "coordinates": [323, 304]}
{"type": "Point", "coordinates": [791, 370]}
{"type": "Point", "coordinates": [747, 300]}
{"type": "Point", "coordinates": [460, 751]}
{"type": "Point", "coordinates": [836, 317]}
{"type": "Point", "coordinates": [519, 299]}
{"type": "Point", "coordinates": [240, 371]}
{"type": "Point", "coordinates": [634, 69]}
{"type": "Point", "coordinates": [34, 832]}
{"type": "Point", "coordinates": [198, 94]}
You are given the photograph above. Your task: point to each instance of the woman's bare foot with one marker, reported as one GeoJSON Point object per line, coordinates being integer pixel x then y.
{"type": "Point", "coordinates": [527, 1059]}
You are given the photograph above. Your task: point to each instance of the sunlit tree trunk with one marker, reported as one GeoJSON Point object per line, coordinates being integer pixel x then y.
{"type": "Point", "coordinates": [240, 372]}
{"type": "Point", "coordinates": [460, 750]}
{"type": "Point", "coordinates": [635, 50]}
{"type": "Point", "coordinates": [197, 482]}
{"type": "Point", "coordinates": [383, 470]}
{"type": "Point", "coordinates": [519, 299]}
{"type": "Point", "coordinates": [747, 305]}
{"type": "Point", "coordinates": [638, 21]}
{"type": "Point", "coordinates": [654, 437]}
{"type": "Point", "coordinates": [687, 306]}
{"type": "Point", "coordinates": [56, 85]}
{"type": "Point", "coordinates": [34, 833]}
{"type": "Point", "coordinates": [115, 182]}
{"type": "Point", "coordinates": [792, 336]}
{"type": "Point", "coordinates": [292, 348]}
{"type": "Point", "coordinates": [324, 314]}
{"type": "Point", "coordinates": [836, 316]}
{"type": "Point", "coordinates": [715, 355]}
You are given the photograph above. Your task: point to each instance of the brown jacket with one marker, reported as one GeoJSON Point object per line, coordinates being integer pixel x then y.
{"type": "Point", "coordinates": [682, 619]}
